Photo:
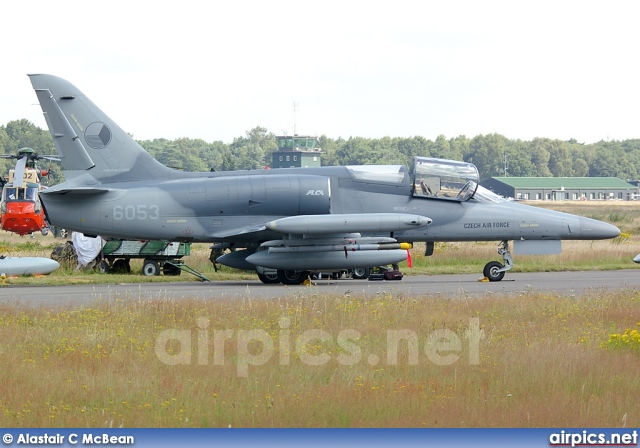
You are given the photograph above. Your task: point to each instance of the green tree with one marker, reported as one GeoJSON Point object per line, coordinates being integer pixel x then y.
{"type": "Point", "coordinates": [414, 147]}
{"type": "Point", "coordinates": [23, 133]}
{"type": "Point", "coordinates": [329, 148]}
{"type": "Point", "coordinates": [560, 163]}
{"type": "Point", "coordinates": [355, 151]}
{"type": "Point", "coordinates": [254, 151]}
{"type": "Point", "coordinates": [611, 161]}
{"type": "Point", "coordinates": [540, 157]}
{"type": "Point", "coordinates": [487, 154]}
{"type": "Point", "coordinates": [228, 162]}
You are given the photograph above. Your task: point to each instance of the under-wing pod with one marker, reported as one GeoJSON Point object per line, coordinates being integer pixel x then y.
{"type": "Point", "coordinates": [27, 265]}
{"type": "Point", "coordinates": [343, 253]}
{"type": "Point", "coordinates": [338, 248]}
{"type": "Point", "coordinates": [238, 259]}
{"type": "Point", "coordinates": [306, 261]}
{"type": "Point", "coordinates": [359, 222]}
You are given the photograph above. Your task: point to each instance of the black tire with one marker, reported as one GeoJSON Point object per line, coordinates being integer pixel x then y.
{"type": "Point", "coordinates": [170, 269]}
{"type": "Point", "coordinates": [491, 271]}
{"type": "Point", "coordinates": [288, 277]}
{"type": "Point", "coordinates": [103, 267]}
{"type": "Point", "coordinates": [121, 266]}
{"type": "Point", "coordinates": [360, 273]}
{"type": "Point", "coordinates": [150, 268]}
{"type": "Point", "coordinates": [269, 278]}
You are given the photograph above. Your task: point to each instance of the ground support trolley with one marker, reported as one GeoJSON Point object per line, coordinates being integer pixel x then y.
{"type": "Point", "coordinates": [159, 256]}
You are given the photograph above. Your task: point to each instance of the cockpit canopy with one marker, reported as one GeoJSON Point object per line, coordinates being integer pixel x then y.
{"type": "Point", "coordinates": [444, 179]}
{"type": "Point", "coordinates": [11, 193]}
{"type": "Point", "coordinates": [432, 178]}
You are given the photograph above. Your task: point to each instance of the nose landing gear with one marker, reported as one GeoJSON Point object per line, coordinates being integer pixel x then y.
{"type": "Point", "coordinates": [494, 271]}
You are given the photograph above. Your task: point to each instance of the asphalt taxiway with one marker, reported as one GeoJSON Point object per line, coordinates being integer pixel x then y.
{"type": "Point", "coordinates": [457, 285]}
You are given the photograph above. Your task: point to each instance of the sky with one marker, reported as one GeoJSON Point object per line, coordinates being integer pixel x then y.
{"type": "Point", "coordinates": [214, 70]}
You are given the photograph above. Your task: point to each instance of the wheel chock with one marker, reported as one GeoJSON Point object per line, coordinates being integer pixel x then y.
{"type": "Point", "coordinates": [483, 279]}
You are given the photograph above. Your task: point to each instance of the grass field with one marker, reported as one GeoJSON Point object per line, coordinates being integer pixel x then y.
{"type": "Point", "coordinates": [535, 360]}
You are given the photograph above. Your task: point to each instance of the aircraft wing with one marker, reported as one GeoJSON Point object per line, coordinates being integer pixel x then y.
{"type": "Point", "coordinates": [327, 225]}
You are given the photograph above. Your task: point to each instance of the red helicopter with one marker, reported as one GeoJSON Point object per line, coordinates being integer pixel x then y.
{"type": "Point", "coordinates": [21, 209]}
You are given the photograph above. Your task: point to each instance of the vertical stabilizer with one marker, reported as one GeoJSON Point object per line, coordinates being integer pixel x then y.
{"type": "Point", "coordinates": [88, 141]}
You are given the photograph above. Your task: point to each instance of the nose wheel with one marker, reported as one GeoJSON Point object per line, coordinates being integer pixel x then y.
{"type": "Point", "coordinates": [494, 270]}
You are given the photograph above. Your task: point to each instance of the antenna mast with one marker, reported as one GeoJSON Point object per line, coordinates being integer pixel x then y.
{"type": "Point", "coordinates": [506, 164]}
{"type": "Point", "coordinates": [295, 109]}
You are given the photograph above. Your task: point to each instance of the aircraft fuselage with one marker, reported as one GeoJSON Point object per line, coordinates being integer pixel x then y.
{"type": "Point", "coordinates": [233, 206]}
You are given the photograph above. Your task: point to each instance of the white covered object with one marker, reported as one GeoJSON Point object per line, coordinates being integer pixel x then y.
{"type": "Point", "coordinates": [87, 248]}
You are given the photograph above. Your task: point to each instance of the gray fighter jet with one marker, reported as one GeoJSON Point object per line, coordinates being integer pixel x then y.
{"type": "Point", "coordinates": [288, 222]}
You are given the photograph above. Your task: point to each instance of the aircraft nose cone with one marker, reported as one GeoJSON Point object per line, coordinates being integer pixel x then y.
{"type": "Point", "coordinates": [592, 229]}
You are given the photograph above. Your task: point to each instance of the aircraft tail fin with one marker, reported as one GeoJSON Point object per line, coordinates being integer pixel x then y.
{"type": "Point", "coordinates": [88, 141]}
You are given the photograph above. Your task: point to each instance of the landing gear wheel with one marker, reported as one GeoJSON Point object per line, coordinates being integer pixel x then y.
{"type": "Point", "coordinates": [360, 273]}
{"type": "Point", "coordinates": [492, 271]}
{"type": "Point", "coordinates": [269, 278]}
{"type": "Point", "coordinates": [287, 277]}
{"type": "Point", "coordinates": [103, 267]}
{"type": "Point", "coordinates": [150, 268]}
{"type": "Point", "coordinates": [170, 269]}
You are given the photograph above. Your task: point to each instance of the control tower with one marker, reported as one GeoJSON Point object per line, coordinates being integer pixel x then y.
{"type": "Point", "coordinates": [296, 151]}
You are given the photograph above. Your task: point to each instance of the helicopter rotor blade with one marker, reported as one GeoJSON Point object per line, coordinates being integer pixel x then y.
{"type": "Point", "coordinates": [52, 158]}
{"type": "Point", "coordinates": [19, 173]}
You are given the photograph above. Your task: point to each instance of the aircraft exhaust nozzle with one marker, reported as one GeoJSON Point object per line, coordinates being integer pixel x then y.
{"type": "Point", "coordinates": [347, 223]}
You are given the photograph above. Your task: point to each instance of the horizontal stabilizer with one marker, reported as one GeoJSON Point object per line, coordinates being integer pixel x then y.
{"type": "Point", "coordinates": [79, 190]}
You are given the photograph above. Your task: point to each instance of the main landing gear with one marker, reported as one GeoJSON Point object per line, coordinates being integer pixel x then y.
{"type": "Point", "coordinates": [288, 277]}
{"type": "Point", "coordinates": [494, 270]}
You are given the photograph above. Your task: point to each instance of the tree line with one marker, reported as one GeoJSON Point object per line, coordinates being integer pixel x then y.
{"type": "Point", "coordinates": [493, 154]}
